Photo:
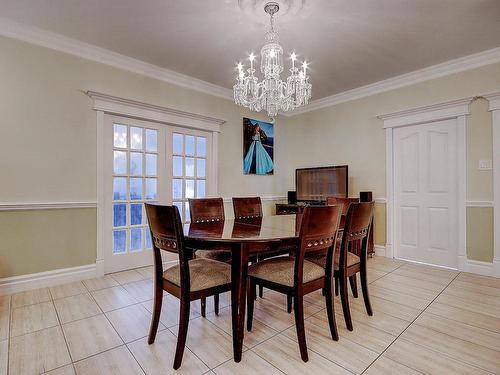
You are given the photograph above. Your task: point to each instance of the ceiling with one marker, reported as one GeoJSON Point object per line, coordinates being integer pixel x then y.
{"type": "Point", "coordinates": [350, 43]}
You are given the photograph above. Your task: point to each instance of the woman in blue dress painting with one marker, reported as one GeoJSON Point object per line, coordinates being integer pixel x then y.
{"type": "Point", "coordinates": [257, 159]}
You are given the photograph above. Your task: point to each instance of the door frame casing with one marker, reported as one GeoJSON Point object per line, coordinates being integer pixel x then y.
{"type": "Point", "coordinates": [105, 104]}
{"type": "Point", "coordinates": [455, 110]}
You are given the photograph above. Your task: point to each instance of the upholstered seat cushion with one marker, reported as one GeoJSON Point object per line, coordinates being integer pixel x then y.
{"type": "Point", "coordinates": [220, 255]}
{"type": "Point", "coordinates": [320, 258]}
{"type": "Point", "coordinates": [280, 270]}
{"type": "Point", "coordinates": [204, 274]}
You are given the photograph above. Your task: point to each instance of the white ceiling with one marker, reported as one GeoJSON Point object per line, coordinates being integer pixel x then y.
{"type": "Point", "coordinates": [350, 43]}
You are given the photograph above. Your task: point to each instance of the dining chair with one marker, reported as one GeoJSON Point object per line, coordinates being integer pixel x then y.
{"type": "Point", "coordinates": [356, 245]}
{"type": "Point", "coordinates": [346, 263]}
{"type": "Point", "coordinates": [189, 280]}
{"type": "Point", "coordinates": [209, 210]}
{"type": "Point", "coordinates": [296, 276]}
{"type": "Point", "coordinates": [247, 207]}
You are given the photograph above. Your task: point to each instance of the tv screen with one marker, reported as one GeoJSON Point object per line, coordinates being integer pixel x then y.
{"type": "Point", "coordinates": [316, 184]}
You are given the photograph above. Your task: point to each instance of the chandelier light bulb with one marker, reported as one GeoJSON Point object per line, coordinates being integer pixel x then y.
{"type": "Point", "coordinates": [272, 53]}
{"type": "Point", "coordinates": [251, 57]}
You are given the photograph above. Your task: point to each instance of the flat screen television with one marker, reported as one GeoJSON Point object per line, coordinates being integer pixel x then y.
{"type": "Point", "coordinates": [316, 184]}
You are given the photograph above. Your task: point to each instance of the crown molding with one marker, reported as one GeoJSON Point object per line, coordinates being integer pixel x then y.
{"type": "Point", "coordinates": [435, 71]}
{"type": "Point", "coordinates": [88, 51]}
{"type": "Point", "coordinates": [494, 100]}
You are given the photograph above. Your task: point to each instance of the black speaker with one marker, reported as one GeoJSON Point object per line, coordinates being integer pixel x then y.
{"type": "Point", "coordinates": [292, 197]}
{"type": "Point", "coordinates": [365, 196]}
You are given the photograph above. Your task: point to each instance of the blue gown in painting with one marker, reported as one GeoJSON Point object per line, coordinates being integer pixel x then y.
{"type": "Point", "coordinates": [263, 162]}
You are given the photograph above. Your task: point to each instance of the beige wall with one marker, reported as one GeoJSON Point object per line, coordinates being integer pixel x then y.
{"type": "Point", "coordinates": [350, 133]}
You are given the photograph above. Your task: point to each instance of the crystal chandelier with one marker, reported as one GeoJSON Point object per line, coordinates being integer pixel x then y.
{"type": "Point", "coordinates": [272, 94]}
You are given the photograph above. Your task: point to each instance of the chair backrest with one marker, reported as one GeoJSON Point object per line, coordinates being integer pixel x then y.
{"type": "Point", "coordinates": [345, 202]}
{"type": "Point", "coordinates": [318, 231]}
{"type": "Point", "coordinates": [356, 230]}
{"type": "Point", "coordinates": [167, 234]}
{"type": "Point", "coordinates": [247, 208]}
{"type": "Point", "coordinates": [206, 210]}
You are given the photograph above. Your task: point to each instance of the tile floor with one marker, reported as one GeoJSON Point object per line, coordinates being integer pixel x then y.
{"type": "Point", "coordinates": [426, 320]}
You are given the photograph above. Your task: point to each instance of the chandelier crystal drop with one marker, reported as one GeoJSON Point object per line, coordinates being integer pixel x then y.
{"type": "Point", "coordinates": [272, 94]}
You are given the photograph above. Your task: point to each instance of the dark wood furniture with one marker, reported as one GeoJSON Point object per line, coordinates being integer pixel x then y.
{"type": "Point", "coordinates": [346, 263]}
{"type": "Point", "coordinates": [244, 238]}
{"type": "Point", "coordinates": [296, 276]}
{"type": "Point", "coordinates": [209, 210]}
{"type": "Point", "coordinates": [190, 280]}
{"type": "Point", "coordinates": [247, 208]}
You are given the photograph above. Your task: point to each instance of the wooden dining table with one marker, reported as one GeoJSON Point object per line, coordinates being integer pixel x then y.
{"type": "Point", "coordinates": [245, 238]}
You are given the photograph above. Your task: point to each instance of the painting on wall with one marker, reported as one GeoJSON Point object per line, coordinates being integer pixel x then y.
{"type": "Point", "coordinates": [258, 147]}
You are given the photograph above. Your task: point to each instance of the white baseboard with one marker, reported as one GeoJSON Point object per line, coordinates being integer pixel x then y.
{"type": "Point", "coordinates": [21, 283]}
{"type": "Point", "coordinates": [478, 267]}
{"type": "Point", "coordinates": [379, 250]}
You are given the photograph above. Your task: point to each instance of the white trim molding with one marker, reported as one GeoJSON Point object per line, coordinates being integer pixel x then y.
{"type": "Point", "coordinates": [379, 250]}
{"type": "Point", "coordinates": [456, 109]}
{"type": "Point", "coordinates": [479, 204]}
{"type": "Point", "coordinates": [144, 111]}
{"type": "Point", "coordinates": [494, 107]}
{"type": "Point", "coordinates": [16, 284]}
{"type": "Point", "coordinates": [45, 206]}
{"type": "Point", "coordinates": [461, 64]}
{"type": "Point", "coordinates": [91, 52]}
{"type": "Point", "coordinates": [270, 198]}
{"type": "Point", "coordinates": [479, 267]}
{"type": "Point", "coordinates": [381, 200]}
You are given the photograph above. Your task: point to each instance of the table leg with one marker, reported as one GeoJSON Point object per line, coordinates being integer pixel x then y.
{"type": "Point", "coordinates": [239, 271]}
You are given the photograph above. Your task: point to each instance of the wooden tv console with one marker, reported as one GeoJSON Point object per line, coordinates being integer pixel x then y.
{"type": "Point", "coordinates": [297, 208]}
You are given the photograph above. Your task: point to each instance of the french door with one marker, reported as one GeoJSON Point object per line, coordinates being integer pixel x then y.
{"type": "Point", "coordinates": [148, 162]}
{"type": "Point", "coordinates": [426, 193]}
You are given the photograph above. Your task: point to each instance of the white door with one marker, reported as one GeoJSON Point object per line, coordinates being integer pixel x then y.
{"type": "Point", "coordinates": [148, 162]}
{"type": "Point", "coordinates": [425, 193]}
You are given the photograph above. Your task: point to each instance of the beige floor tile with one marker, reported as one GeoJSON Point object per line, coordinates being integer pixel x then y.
{"type": "Point", "coordinates": [4, 323]}
{"type": "Point", "coordinates": [386, 366]}
{"type": "Point", "coordinates": [428, 361]}
{"type": "Point", "coordinates": [465, 304]}
{"type": "Point", "coordinates": [115, 361]}
{"type": "Point", "coordinates": [33, 318]}
{"type": "Point", "coordinates": [211, 344]}
{"type": "Point", "coordinates": [131, 322]}
{"type": "Point", "coordinates": [146, 272]}
{"type": "Point", "coordinates": [38, 352]}
{"type": "Point", "coordinates": [396, 286]}
{"type": "Point", "coordinates": [260, 332]}
{"type": "Point", "coordinates": [158, 358]}
{"type": "Point", "coordinates": [30, 297]}
{"type": "Point", "coordinates": [140, 290]}
{"type": "Point", "coordinates": [283, 353]}
{"type": "Point", "coordinates": [475, 288]}
{"type": "Point", "coordinates": [90, 336]}
{"type": "Point", "coordinates": [398, 297]}
{"type": "Point", "coordinates": [465, 316]}
{"type": "Point", "coordinates": [170, 308]}
{"type": "Point", "coordinates": [345, 353]}
{"type": "Point", "coordinates": [113, 298]}
{"type": "Point", "coordinates": [374, 274]}
{"type": "Point", "coordinates": [492, 282]}
{"type": "Point", "coordinates": [5, 302]}
{"type": "Point", "coordinates": [461, 350]}
{"type": "Point", "coordinates": [4, 347]}
{"type": "Point", "coordinates": [473, 296]}
{"type": "Point", "coordinates": [67, 290]}
{"type": "Point", "coordinates": [383, 264]}
{"type": "Point", "coordinates": [442, 280]}
{"type": "Point", "coordinates": [430, 270]}
{"type": "Point", "coordinates": [65, 370]}
{"type": "Point", "coordinates": [126, 277]}
{"type": "Point", "coordinates": [380, 305]}
{"type": "Point", "coordinates": [76, 307]}
{"type": "Point", "coordinates": [250, 364]}
{"type": "Point", "coordinates": [100, 283]}
{"type": "Point", "coordinates": [459, 330]}
{"type": "Point", "coordinates": [224, 301]}
{"type": "Point", "coordinates": [411, 282]}
{"type": "Point", "coordinates": [363, 334]}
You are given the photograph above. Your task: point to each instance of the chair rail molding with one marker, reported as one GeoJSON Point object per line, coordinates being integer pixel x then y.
{"type": "Point", "coordinates": [26, 206]}
{"type": "Point", "coordinates": [105, 104]}
{"type": "Point", "coordinates": [494, 107]}
{"type": "Point", "coordinates": [456, 109]}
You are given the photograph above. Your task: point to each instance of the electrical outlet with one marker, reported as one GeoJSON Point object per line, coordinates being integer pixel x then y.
{"type": "Point", "coordinates": [485, 165]}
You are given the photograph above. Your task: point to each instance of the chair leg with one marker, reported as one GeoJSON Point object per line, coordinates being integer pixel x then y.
{"type": "Point", "coordinates": [250, 301]}
{"type": "Point", "coordinates": [336, 286]}
{"type": "Point", "coordinates": [261, 291]}
{"type": "Point", "coordinates": [330, 309]}
{"type": "Point", "coordinates": [182, 333]}
{"type": "Point", "coordinates": [216, 304]}
{"type": "Point", "coordinates": [155, 319]}
{"type": "Point", "coordinates": [299, 325]}
{"type": "Point", "coordinates": [289, 301]}
{"type": "Point", "coordinates": [203, 302]}
{"type": "Point", "coordinates": [364, 290]}
{"type": "Point", "coordinates": [344, 297]}
{"type": "Point", "coordinates": [354, 285]}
